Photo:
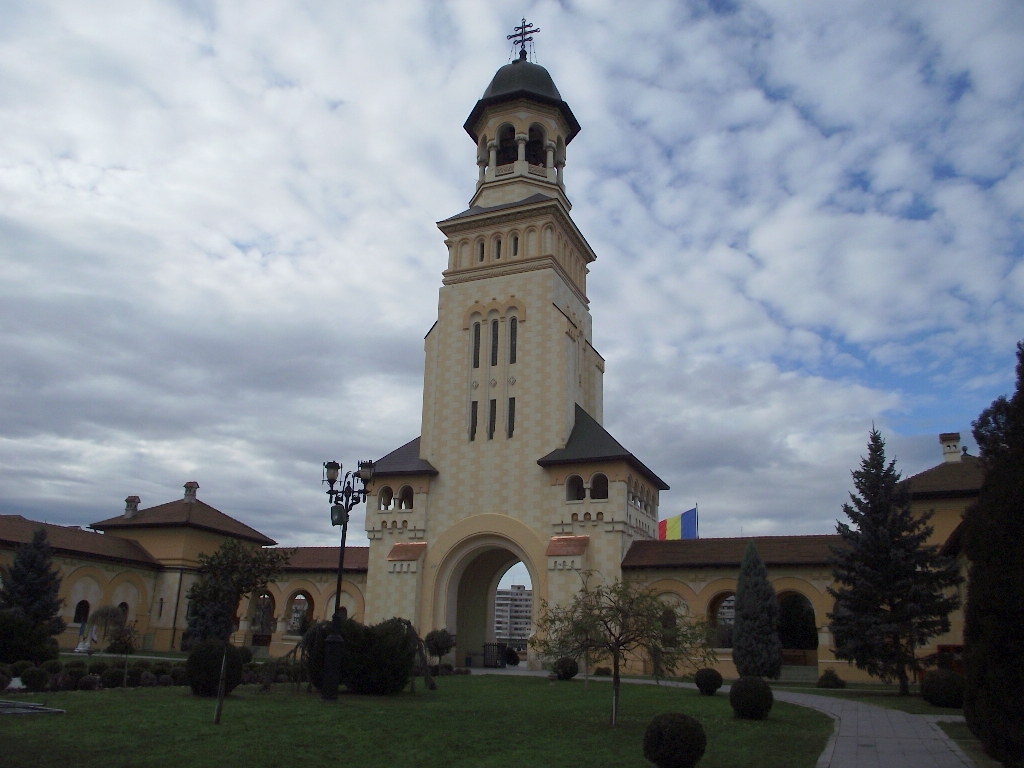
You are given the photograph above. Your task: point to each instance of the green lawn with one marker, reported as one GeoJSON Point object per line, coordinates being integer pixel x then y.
{"type": "Point", "coordinates": [477, 721]}
{"type": "Point", "coordinates": [880, 696]}
{"type": "Point", "coordinates": [962, 735]}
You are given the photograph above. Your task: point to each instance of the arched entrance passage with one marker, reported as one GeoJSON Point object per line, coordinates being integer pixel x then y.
{"type": "Point", "coordinates": [465, 591]}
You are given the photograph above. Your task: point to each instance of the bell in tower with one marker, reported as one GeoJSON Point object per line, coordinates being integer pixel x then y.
{"type": "Point", "coordinates": [521, 127]}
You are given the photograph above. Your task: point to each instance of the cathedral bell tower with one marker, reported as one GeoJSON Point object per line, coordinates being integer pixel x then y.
{"type": "Point", "coordinates": [512, 463]}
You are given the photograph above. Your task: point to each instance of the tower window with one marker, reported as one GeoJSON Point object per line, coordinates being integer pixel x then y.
{"type": "Point", "coordinates": [511, 416]}
{"type": "Point", "coordinates": [494, 342]}
{"type": "Point", "coordinates": [507, 150]}
{"type": "Point", "coordinates": [497, 249]}
{"type": "Point", "coordinates": [480, 252]}
{"type": "Point", "coordinates": [473, 407]}
{"type": "Point", "coordinates": [513, 334]}
{"type": "Point", "coordinates": [476, 345]}
{"type": "Point", "coordinates": [515, 245]}
{"type": "Point", "coordinates": [535, 154]}
{"type": "Point", "coordinates": [492, 417]}
{"type": "Point", "coordinates": [574, 490]}
{"type": "Point", "coordinates": [599, 486]}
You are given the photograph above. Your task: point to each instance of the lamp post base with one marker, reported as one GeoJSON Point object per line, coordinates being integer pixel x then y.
{"type": "Point", "coordinates": [332, 661]}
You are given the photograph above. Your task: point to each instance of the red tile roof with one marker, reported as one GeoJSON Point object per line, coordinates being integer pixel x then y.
{"type": "Point", "coordinates": [708, 553]}
{"type": "Point", "coordinates": [357, 559]}
{"type": "Point", "coordinates": [950, 479]}
{"type": "Point", "coordinates": [407, 550]}
{"type": "Point", "coordinates": [190, 514]}
{"type": "Point", "coordinates": [71, 540]}
{"type": "Point", "coordinates": [567, 546]}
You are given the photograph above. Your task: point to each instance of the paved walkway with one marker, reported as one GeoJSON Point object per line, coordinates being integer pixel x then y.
{"type": "Point", "coordinates": [865, 736]}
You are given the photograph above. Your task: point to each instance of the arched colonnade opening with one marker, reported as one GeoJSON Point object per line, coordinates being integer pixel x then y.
{"type": "Point", "coordinates": [467, 596]}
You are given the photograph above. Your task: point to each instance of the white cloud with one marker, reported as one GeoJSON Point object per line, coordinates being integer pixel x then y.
{"type": "Point", "coordinates": [217, 239]}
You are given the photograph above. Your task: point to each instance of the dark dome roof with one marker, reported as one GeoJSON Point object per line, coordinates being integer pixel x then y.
{"type": "Point", "coordinates": [522, 79]}
{"type": "Point", "coordinates": [522, 75]}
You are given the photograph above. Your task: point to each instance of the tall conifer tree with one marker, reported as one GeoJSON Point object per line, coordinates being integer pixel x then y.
{"type": "Point", "coordinates": [33, 585]}
{"type": "Point", "coordinates": [994, 618]}
{"type": "Point", "coordinates": [893, 589]}
{"type": "Point", "coordinates": [756, 649]}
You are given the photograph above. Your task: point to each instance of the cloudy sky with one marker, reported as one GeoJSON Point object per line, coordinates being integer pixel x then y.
{"type": "Point", "coordinates": [218, 255]}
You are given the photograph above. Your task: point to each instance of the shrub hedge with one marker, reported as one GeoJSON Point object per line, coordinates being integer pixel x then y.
{"type": "Point", "coordinates": [204, 663]}
{"type": "Point", "coordinates": [98, 667]}
{"type": "Point", "coordinates": [674, 740]}
{"type": "Point", "coordinates": [830, 679]}
{"type": "Point", "coordinates": [943, 688]}
{"type": "Point", "coordinates": [89, 683]}
{"type": "Point", "coordinates": [35, 678]}
{"type": "Point", "coordinates": [751, 698]}
{"type": "Point", "coordinates": [565, 668]}
{"type": "Point", "coordinates": [708, 681]}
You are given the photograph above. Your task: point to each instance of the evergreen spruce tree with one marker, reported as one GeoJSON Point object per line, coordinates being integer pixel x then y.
{"type": "Point", "coordinates": [28, 599]}
{"type": "Point", "coordinates": [756, 649]}
{"type": "Point", "coordinates": [892, 590]}
{"type": "Point", "coordinates": [994, 618]}
{"type": "Point", "coordinates": [33, 585]}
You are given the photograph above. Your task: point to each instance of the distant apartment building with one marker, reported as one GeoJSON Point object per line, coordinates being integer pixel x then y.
{"type": "Point", "coordinates": [513, 609]}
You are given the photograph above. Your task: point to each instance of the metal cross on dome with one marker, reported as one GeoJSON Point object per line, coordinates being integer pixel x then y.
{"type": "Point", "coordinates": [522, 35]}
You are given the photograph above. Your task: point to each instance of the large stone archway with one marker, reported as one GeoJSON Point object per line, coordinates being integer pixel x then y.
{"type": "Point", "coordinates": [465, 587]}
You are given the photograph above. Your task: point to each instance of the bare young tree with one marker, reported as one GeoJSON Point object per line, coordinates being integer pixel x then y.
{"type": "Point", "coordinates": [623, 621]}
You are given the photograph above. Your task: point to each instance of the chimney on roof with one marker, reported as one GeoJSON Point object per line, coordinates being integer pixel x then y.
{"type": "Point", "coordinates": [190, 491]}
{"type": "Point", "coordinates": [950, 446]}
{"type": "Point", "coordinates": [131, 506]}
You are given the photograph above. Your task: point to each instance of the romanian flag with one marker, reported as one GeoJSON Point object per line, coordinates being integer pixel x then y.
{"type": "Point", "coordinates": [683, 526]}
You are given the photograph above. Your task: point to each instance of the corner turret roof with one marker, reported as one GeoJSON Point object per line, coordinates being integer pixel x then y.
{"type": "Point", "coordinates": [589, 441]}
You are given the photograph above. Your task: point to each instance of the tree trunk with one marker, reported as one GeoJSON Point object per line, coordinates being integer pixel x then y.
{"type": "Point", "coordinates": [615, 688]}
{"type": "Point", "coordinates": [904, 683]}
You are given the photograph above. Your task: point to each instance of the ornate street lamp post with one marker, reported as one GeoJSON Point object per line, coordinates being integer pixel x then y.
{"type": "Point", "coordinates": [342, 500]}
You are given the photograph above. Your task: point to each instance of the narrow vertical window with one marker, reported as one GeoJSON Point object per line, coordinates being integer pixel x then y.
{"type": "Point", "coordinates": [515, 245]}
{"type": "Point", "coordinates": [492, 417]}
{"type": "Point", "coordinates": [480, 252]}
{"type": "Point", "coordinates": [494, 342]}
{"type": "Point", "coordinates": [511, 416]}
{"type": "Point", "coordinates": [513, 333]}
{"type": "Point", "coordinates": [472, 420]}
{"type": "Point", "coordinates": [497, 249]}
{"type": "Point", "coordinates": [476, 345]}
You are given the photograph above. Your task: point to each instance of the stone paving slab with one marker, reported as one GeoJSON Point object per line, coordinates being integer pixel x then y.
{"type": "Point", "coordinates": [27, 708]}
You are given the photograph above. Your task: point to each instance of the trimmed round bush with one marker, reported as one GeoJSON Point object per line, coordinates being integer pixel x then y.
{"type": "Point", "coordinates": [462, 671]}
{"type": "Point", "coordinates": [708, 681]}
{"type": "Point", "coordinates": [5, 669]}
{"type": "Point", "coordinates": [89, 683]}
{"type": "Point", "coordinates": [35, 679]}
{"type": "Point", "coordinates": [943, 688]}
{"type": "Point", "coordinates": [246, 652]}
{"type": "Point", "coordinates": [53, 666]}
{"type": "Point", "coordinates": [602, 671]}
{"type": "Point", "coordinates": [179, 676]}
{"type": "Point", "coordinates": [165, 681]}
{"type": "Point", "coordinates": [69, 678]}
{"type": "Point", "coordinates": [112, 677]}
{"type": "Point", "coordinates": [565, 668]}
{"type": "Point", "coordinates": [98, 668]}
{"type": "Point", "coordinates": [5, 680]}
{"type": "Point", "coordinates": [74, 664]}
{"type": "Point", "coordinates": [830, 679]}
{"type": "Point", "coordinates": [751, 698]}
{"type": "Point", "coordinates": [203, 667]}
{"type": "Point", "coordinates": [161, 668]}
{"type": "Point", "coordinates": [143, 664]}
{"type": "Point", "coordinates": [511, 657]}
{"type": "Point", "coordinates": [20, 666]}
{"type": "Point", "coordinates": [148, 679]}
{"type": "Point", "coordinates": [674, 740]}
